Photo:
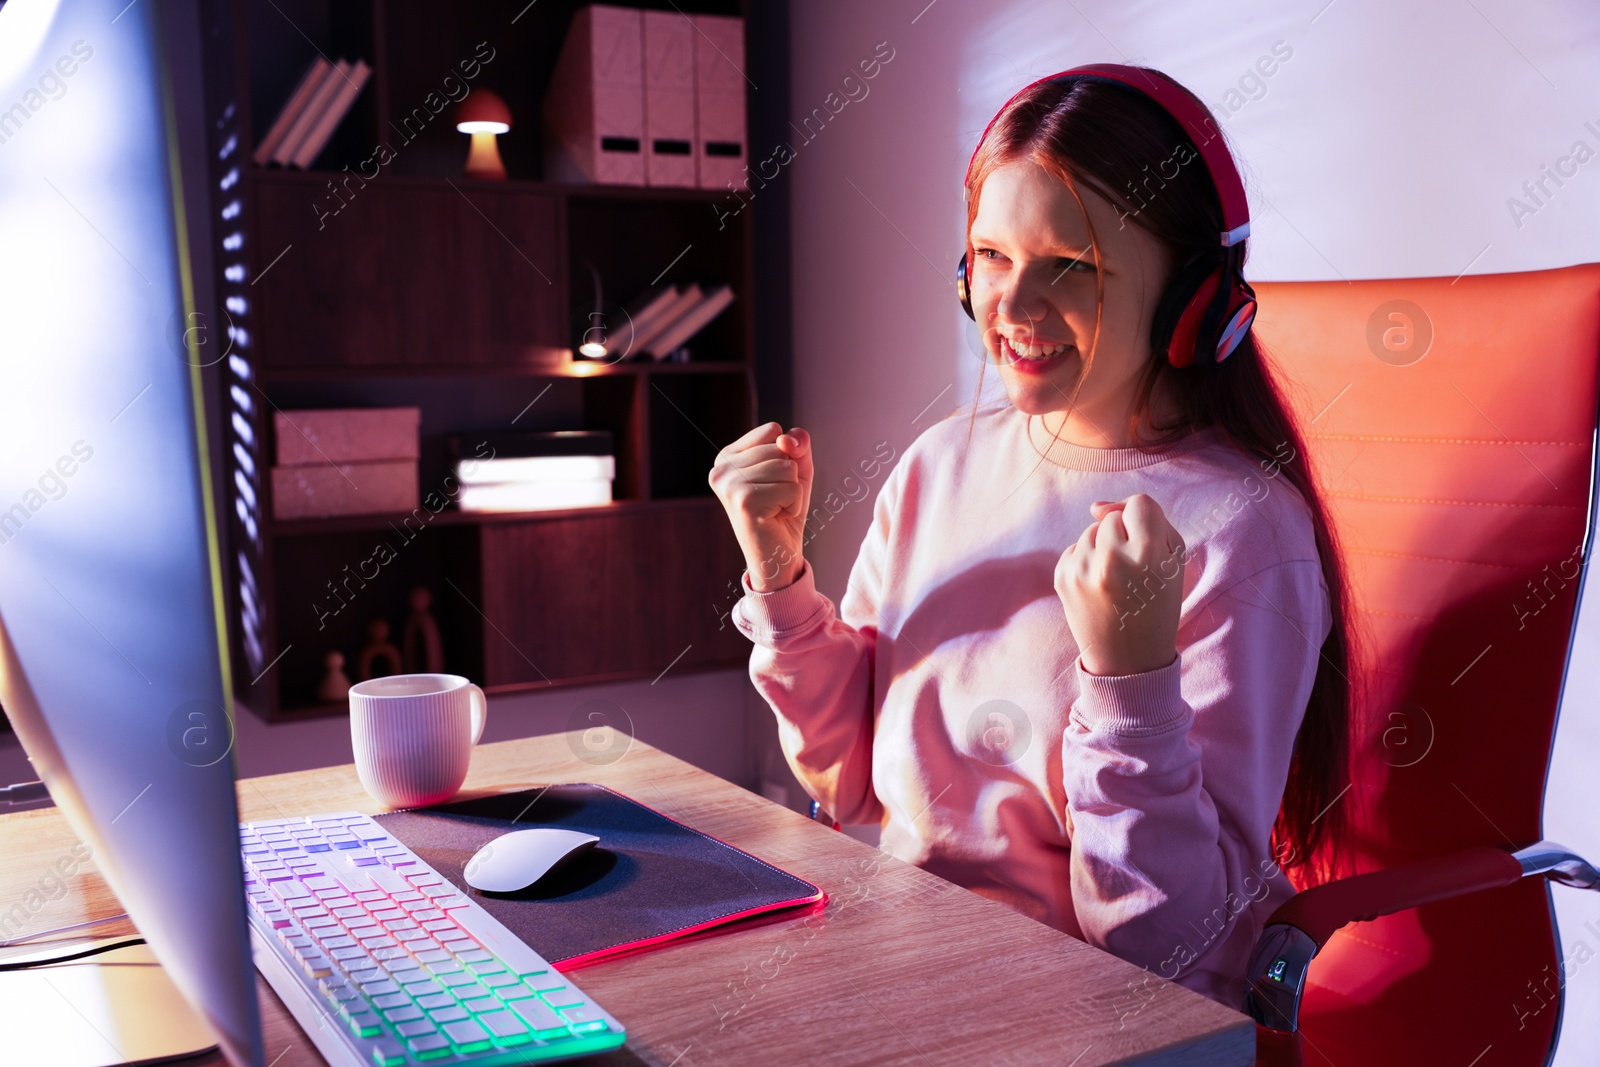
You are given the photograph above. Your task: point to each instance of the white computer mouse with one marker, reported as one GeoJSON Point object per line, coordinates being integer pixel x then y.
{"type": "Point", "coordinates": [520, 858]}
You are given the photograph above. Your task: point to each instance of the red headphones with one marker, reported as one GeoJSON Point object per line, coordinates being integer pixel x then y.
{"type": "Point", "coordinates": [1208, 307]}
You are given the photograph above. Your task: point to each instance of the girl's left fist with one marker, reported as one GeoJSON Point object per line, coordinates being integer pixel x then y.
{"type": "Point", "coordinates": [1121, 585]}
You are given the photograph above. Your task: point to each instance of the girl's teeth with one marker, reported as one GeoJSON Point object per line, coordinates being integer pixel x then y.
{"type": "Point", "coordinates": [1033, 351]}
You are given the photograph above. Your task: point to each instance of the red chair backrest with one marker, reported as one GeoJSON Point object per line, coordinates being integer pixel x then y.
{"type": "Point", "coordinates": [1450, 425]}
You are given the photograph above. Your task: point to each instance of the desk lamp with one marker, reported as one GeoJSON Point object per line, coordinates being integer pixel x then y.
{"type": "Point", "coordinates": [485, 116]}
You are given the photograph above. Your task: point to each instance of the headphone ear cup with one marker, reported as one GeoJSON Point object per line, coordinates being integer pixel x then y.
{"type": "Point", "coordinates": [963, 292]}
{"type": "Point", "coordinates": [1181, 307]}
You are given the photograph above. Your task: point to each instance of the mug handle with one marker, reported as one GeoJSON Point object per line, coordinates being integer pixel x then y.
{"type": "Point", "coordinates": [480, 712]}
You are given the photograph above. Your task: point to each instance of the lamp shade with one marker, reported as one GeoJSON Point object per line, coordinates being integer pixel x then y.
{"type": "Point", "coordinates": [482, 111]}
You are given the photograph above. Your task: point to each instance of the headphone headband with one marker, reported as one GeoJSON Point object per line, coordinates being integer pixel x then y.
{"type": "Point", "coordinates": [1196, 123]}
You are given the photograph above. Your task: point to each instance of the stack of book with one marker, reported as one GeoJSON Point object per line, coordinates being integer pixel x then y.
{"type": "Point", "coordinates": [535, 471]}
{"type": "Point", "coordinates": [664, 318]}
{"type": "Point", "coordinates": [345, 461]}
{"type": "Point", "coordinates": [312, 113]}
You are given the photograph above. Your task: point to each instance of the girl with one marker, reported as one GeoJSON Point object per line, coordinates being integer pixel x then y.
{"type": "Point", "coordinates": [1091, 661]}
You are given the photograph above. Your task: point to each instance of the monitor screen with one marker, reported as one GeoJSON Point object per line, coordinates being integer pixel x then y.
{"type": "Point", "coordinates": [113, 663]}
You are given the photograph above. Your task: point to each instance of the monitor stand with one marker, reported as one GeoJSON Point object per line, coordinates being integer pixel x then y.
{"type": "Point", "coordinates": [103, 1011]}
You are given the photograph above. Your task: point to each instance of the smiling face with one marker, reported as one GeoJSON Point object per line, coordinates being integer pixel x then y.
{"type": "Point", "coordinates": [1033, 286]}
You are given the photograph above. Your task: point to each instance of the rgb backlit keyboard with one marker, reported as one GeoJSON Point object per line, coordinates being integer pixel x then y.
{"type": "Point", "coordinates": [384, 963]}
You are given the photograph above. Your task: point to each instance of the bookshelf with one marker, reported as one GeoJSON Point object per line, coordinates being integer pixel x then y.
{"type": "Point", "coordinates": [401, 283]}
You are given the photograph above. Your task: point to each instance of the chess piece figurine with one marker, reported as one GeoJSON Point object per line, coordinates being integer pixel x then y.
{"type": "Point", "coordinates": [424, 649]}
{"type": "Point", "coordinates": [380, 658]}
{"type": "Point", "coordinates": [335, 687]}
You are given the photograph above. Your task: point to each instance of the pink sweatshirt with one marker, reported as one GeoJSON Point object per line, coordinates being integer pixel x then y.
{"type": "Point", "coordinates": [946, 702]}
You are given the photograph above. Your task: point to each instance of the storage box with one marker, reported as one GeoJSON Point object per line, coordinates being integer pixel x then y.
{"type": "Point", "coordinates": [320, 490]}
{"type": "Point", "coordinates": [345, 435]}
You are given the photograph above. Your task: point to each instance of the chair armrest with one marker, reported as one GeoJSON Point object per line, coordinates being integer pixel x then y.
{"type": "Point", "coordinates": [1322, 909]}
{"type": "Point", "coordinates": [1298, 929]}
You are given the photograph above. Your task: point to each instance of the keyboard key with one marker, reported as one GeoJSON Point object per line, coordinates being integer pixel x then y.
{"type": "Point", "coordinates": [433, 955]}
{"type": "Point", "coordinates": [316, 966]}
{"type": "Point", "coordinates": [469, 992]}
{"type": "Point", "coordinates": [436, 1000]}
{"type": "Point", "coordinates": [591, 1025]}
{"type": "Point", "coordinates": [502, 1023]}
{"type": "Point", "coordinates": [458, 945]}
{"type": "Point", "coordinates": [430, 1043]}
{"type": "Point", "coordinates": [318, 922]}
{"type": "Point", "coordinates": [369, 895]}
{"type": "Point", "coordinates": [581, 1013]}
{"type": "Point", "coordinates": [496, 981]}
{"type": "Point", "coordinates": [406, 973]}
{"type": "Point", "coordinates": [453, 1013]}
{"type": "Point", "coordinates": [456, 979]}
{"type": "Point", "coordinates": [489, 966]}
{"type": "Point", "coordinates": [387, 1053]}
{"type": "Point", "coordinates": [406, 897]}
{"type": "Point", "coordinates": [540, 1017]}
{"type": "Point", "coordinates": [363, 975]}
{"type": "Point", "coordinates": [466, 1033]}
{"type": "Point", "coordinates": [421, 989]}
{"type": "Point", "coordinates": [479, 1006]}
{"type": "Point", "coordinates": [415, 1028]}
{"type": "Point", "coordinates": [388, 913]}
{"type": "Point", "coordinates": [513, 992]}
{"type": "Point", "coordinates": [390, 1000]}
{"type": "Point", "coordinates": [389, 954]}
{"type": "Point", "coordinates": [427, 915]}
{"type": "Point", "coordinates": [564, 997]}
{"type": "Point", "coordinates": [363, 1024]}
{"type": "Point", "coordinates": [379, 941]}
{"type": "Point", "coordinates": [354, 952]}
{"type": "Point", "coordinates": [379, 988]}
{"type": "Point", "coordinates": [403, 1014]}
{"type": "Point", "coordinates": [473, 955]}
{"type": "Point", "coordinates": [437, 926]}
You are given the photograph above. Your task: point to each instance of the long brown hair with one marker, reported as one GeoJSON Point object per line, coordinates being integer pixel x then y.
{"type": "Point", "coordinates": [1115, 141]}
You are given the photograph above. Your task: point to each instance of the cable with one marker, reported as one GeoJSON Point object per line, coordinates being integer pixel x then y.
{"type": "Point", "coordinates": [25, 964]}
{"type": "Point", "coordinates": [24, 792]}
{"type": "Point", "coordinates": [62, 929]}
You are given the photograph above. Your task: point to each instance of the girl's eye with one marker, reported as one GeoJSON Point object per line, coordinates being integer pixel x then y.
{"type": "Point", "coordinates": [1082, 263]}
{"type": "Point", "coordinates": [983, 253]}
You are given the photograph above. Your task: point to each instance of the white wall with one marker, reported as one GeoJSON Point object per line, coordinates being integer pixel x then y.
{"type": "Point", "coordinates": [1387, 145]}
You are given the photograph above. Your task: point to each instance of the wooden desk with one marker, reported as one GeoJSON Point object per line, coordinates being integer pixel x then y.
{"type": "Point", "coordinates": [901, 968]}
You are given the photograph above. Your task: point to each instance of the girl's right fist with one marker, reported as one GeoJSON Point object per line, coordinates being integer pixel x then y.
{"type": "Point", "coordinates": [764, 482]}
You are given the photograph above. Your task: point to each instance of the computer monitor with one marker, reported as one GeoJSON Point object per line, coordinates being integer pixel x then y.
{"type": "Point", "coordinates": [113, 664]}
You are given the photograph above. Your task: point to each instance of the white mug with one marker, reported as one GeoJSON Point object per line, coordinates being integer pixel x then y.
{"type": "Point", "coordinates": [413, 736]}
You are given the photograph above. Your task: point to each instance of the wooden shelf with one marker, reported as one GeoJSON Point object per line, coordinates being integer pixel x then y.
{"type": "Point", "coordinates": [572, 368]}
{"type": "Point", "coordinates": [456, 517]}
{"type": "Point", "coordinates": [317, 180]}
{"type": "Point", "coordinates": [413, 286]}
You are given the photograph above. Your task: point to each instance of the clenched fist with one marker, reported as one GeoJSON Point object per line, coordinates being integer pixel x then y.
{"type": "Point", "coordinates": [1121, 585]}
{"type": "Point", "coordinates": [764, 482]}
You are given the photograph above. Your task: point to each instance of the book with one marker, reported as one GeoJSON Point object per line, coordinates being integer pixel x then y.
{"type": "Point", "coordinates": [642, 315]}
{"type": "Point", "coordinates": [318, 70]}
{"type": "Point", "coordinates": [310, 113]}
{"type": "Point", "coordinates": [344, 96]}
{"type": "Point", "coordinates": [535, 496]}
{"type": "Point", "coordinates": [685, 300]}
{"type": "Point", "coordinates": [533, 469]}
{"type": "Point", "coordinates": [502, 445]}
{"type": "Point", "coordinates": [692, 321]}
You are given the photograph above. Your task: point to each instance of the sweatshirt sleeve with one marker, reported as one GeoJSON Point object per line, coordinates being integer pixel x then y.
{"type": "Point", "coordinates": [1174, 778]}
{"type": "Point", "coordinates": [816, 670]}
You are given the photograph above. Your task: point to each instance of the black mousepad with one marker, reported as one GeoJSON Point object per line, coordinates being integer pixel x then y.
{"type": "Point", "coordinates": [649, 879]}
